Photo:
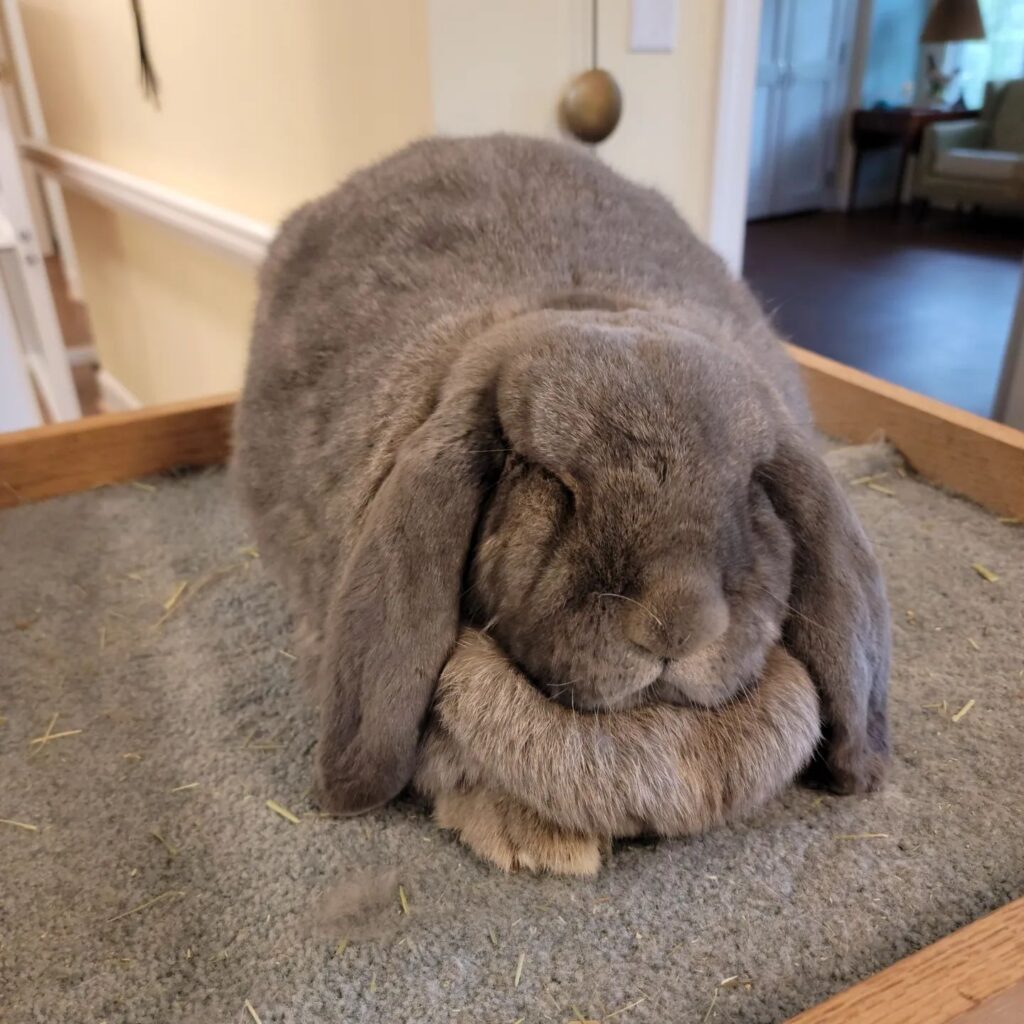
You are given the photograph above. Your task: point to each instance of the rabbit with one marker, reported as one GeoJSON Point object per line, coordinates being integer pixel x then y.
{"type": "Point", "coordinates": [527, 783]}
{"type": "Point", "coordinates": [494, 384]}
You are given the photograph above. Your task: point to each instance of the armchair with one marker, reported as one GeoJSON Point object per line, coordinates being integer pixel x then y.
{"type": "Point", "coordinates": [977, 162]}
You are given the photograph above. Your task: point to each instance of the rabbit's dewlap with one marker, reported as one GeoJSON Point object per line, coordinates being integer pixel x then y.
{"type": "Point", "coordinates": [661, 768]}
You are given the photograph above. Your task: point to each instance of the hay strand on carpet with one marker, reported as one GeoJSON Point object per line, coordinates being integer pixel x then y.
{"type": "Point", "coordinates": [403, 901]}
{"type": "Point", "coordinates": [181, 789]}
{"type": "Point", "coordinates": [711, 1008]}
{"type": "Point", "coordinates": [252, 1012]}
{"type": "Point", "coordinates": [734, 981]}
{"type": "Point", "coordinates": [175, 596]}
{"type": "Point", "coordinates": [984, 572]}
{"type": "Point", "coordinates": [54, 736]}
{"type": "Point", "coordinates": [145, 906]}
{"type": "Point", "coordinates": [519, 970]}
{"type": "Point", "coordinates": [623, 1009]}
{"type": "Point", "coordinates": [339, 949]}
{"type": "Point", "coordinates": [49, 729]}
{"type": "Point", "coordinates": [864, 835]}
{"type": "Point", "coordinates": [282, 812]}
{"type": "Point", "coordinates": [887, 491]}
{"type": "Point", "coordinates": [171, 851]}
{"type": "Point", "coordinates": [19, 824]}
{"type": "Point", "coordinates": [963, 711]}
{"type": "Point", "coordinates": [176, 600]}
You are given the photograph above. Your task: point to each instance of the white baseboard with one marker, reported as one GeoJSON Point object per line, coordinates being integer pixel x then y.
{"type": "Point", "coordinates": [114, 396]}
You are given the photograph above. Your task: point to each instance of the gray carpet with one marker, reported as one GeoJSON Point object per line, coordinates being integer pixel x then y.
{"type": "Point", "coordinates": [102, 921]}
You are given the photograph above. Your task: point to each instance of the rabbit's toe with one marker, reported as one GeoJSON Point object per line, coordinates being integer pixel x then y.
{"type": "Point", "coordinates": [513, 837]}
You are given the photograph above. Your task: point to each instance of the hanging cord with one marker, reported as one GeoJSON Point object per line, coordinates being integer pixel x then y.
{"type": "Point", "coordinates": [150, 84]}
{"type": "Point", "coordinates": [593, 33]}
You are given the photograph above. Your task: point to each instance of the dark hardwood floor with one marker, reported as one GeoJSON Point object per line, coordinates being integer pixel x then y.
{"type": "Point", "coordinates": [926, 305]}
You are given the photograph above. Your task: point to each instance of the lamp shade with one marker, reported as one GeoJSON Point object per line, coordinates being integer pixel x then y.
{"type": "Point", "coordinates": [953, 21]}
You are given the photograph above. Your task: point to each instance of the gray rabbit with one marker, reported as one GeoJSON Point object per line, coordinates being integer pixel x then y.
{"type": "Point", "coordinates": [495, 386]}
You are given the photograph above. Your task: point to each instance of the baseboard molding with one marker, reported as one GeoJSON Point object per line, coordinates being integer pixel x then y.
{"type": "Point", "coordinates": [114, 396]}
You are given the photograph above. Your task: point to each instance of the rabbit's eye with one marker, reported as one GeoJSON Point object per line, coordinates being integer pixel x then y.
{"type": "Point", "coordinates": [566, 493]}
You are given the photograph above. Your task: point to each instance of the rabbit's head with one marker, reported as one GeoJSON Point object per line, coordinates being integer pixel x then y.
{"type": "Point", "coordinates": [627, 548]}
{"type": "Point", "coordinates": [630, 512]}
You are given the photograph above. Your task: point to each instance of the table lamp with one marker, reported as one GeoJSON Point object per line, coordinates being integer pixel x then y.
{"type": "Point", "coordinates": [949, 21]}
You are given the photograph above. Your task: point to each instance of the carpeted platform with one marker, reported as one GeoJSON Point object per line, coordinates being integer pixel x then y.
{"type": "Point", "coordinates": [157, 886]}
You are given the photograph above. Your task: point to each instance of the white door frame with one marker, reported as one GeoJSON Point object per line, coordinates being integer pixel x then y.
{"type": "Point", "coordinates": [1009, 403]}
{"type": "Point", "coordinates": [734, 122]}
{"type": "Point", "coordinates": [730, 167]}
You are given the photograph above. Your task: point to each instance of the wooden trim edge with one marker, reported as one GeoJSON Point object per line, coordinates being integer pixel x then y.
{"type": "Point", "coordinates": [964, 453]}
{"type": "Point", "coordinates": [66, 457]}
{"type": "Point", "coordinates": [940, 983]}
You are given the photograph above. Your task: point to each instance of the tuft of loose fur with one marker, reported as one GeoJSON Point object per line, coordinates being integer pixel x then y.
{"type": "Point", "coordinates": [363, 905]}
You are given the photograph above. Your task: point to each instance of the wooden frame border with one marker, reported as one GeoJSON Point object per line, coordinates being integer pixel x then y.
{"type": "Point", "coordinates": [968, 455]}
{"type": "Point", "coordinates": [964, 453]}
{"type": "Point", "coordinates": [68, 457]}
{"type": "Point", "coordinates": [974, 976]}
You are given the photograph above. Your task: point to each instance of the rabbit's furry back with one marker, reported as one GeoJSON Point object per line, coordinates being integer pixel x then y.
{"type": "Point", "coordinates": [369, 388]}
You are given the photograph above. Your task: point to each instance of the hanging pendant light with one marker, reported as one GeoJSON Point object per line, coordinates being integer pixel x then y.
{"type": "Point", "coordinates": [592, 102]}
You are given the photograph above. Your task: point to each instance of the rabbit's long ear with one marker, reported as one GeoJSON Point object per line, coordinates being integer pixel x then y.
{"type": "Point", "coordinates": [839, 620]}
{"type": "Point", "coordinates": [394, 617]}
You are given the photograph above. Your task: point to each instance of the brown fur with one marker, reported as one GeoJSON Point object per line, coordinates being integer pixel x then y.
{"type": "Point", "coordinates": [504, 832]}
{"type": "Point", "coordinates": [495, 362]}
{"type": "Point", "coordinates": [658, 769]}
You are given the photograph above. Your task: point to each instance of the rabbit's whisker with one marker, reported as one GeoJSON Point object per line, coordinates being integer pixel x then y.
{"type": "Point", "coordinates": [639, 604]}
{"type": "Point", "coordinates": [793, 611]}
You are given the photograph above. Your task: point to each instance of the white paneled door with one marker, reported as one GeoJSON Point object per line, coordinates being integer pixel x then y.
{"type": "Point", "coordinates": [802, 84]}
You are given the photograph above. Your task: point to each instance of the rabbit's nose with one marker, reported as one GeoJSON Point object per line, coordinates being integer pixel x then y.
{"type": "Point", "coordinates": [671, 622]}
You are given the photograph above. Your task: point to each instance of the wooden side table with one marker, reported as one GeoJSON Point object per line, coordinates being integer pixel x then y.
{"type": "Point", "coordinates": [882, 128]}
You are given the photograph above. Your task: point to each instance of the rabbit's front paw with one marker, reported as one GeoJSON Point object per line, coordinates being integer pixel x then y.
{"type": "Point", "coordinates": [856, 764]}
{"type": "Point", "coordinates": [514, 838]}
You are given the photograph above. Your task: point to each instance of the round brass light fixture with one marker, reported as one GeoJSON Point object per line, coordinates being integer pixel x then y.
{"type": "Point", "coordinates": [592, 105]}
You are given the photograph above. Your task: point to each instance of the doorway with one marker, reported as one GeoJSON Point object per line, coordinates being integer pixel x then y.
{"type": "Point", "coordinates": [803, 79]}
{"type": "Point", "coordinates": [927, 304]}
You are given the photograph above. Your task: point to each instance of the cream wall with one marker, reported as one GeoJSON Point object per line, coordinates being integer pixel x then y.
{"type": "Point", "coordinates": [502, 65]}
{"type": "Point", "coordinates": [264, 103]}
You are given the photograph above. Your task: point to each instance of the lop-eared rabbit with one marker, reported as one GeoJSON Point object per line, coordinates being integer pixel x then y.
{"type": "Point", "coordinates": [509, 426]}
